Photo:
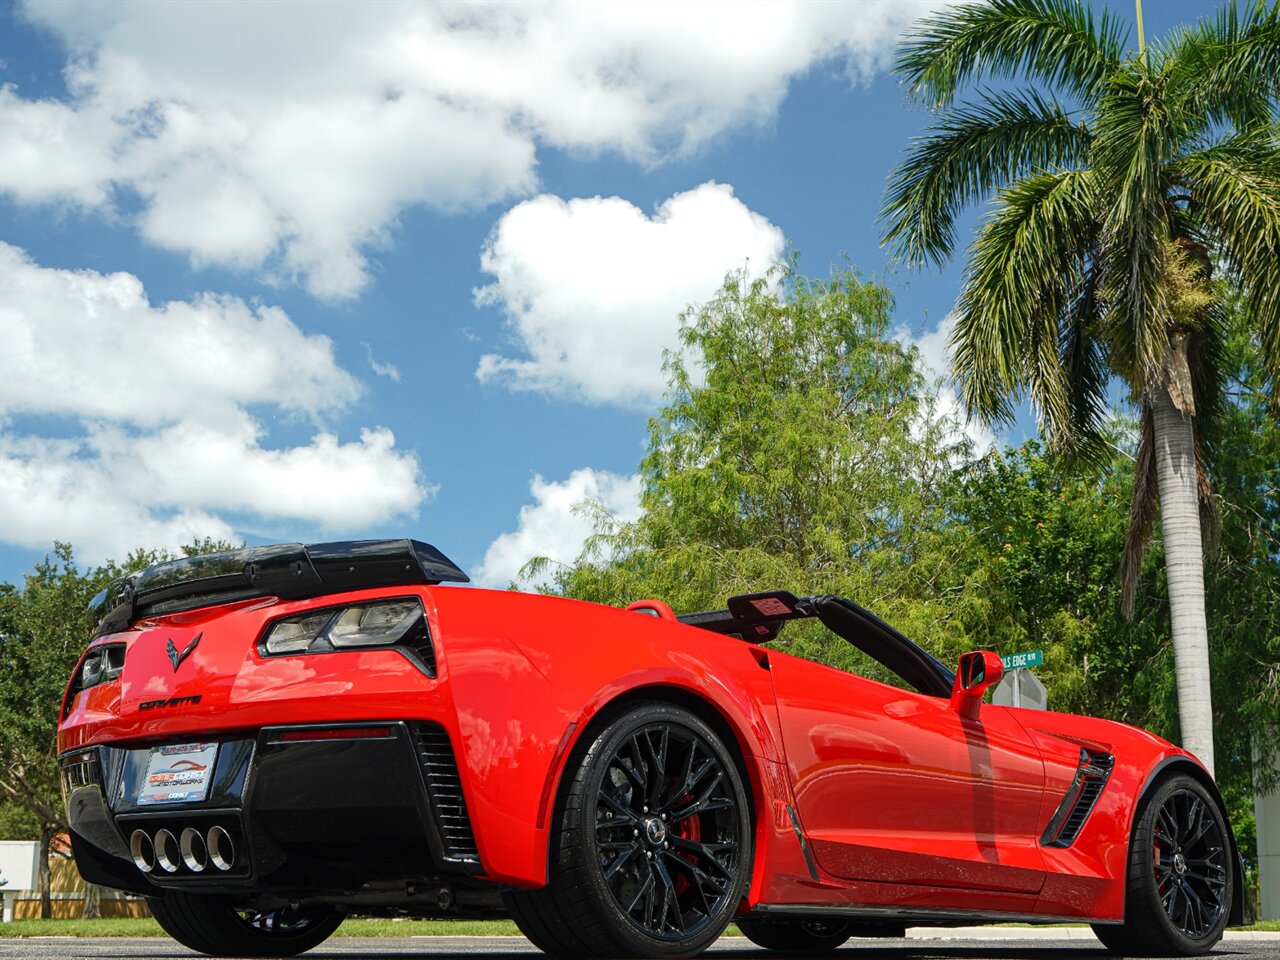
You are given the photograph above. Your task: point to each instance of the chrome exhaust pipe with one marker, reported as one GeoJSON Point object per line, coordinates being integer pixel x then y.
{"type": "Point", "coordinates": [142, 850]}
{"type": "Point", "coordinates": [167, 854]}
{"type": "Point", "coordinates": [222, 852]}
{"type": "Point", "coordinates": [194, 854]}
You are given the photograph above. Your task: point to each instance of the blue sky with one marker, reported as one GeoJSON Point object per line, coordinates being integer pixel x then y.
{"type": "Point", "coordinates": [288, 272]}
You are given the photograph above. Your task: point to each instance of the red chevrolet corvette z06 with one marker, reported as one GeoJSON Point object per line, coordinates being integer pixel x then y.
{"type": "Point", "coordinates": [265, 740]}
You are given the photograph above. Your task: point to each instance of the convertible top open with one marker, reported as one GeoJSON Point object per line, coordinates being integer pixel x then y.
{"type": "Point", "coordinates": [760, 617]}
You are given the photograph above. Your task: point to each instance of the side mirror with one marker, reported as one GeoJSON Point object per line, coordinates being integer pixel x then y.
{"type": "Point", "coordinates": [977, 671]}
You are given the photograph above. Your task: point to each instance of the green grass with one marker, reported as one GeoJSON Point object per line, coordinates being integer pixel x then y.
{"type": "Point", "coordinates": [428, 928]}
{"type": "Point", "coordinates": [115, 927]}
{"type": "Point", "coordinates": [147, 927]}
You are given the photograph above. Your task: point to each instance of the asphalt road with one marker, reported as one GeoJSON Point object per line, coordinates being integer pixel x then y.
{"type": "Point", "coordinates": [515, 948]}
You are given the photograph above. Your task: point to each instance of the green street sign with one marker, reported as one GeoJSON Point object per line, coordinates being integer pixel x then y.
{"type": "Point", "coordinates": [1017, 661]}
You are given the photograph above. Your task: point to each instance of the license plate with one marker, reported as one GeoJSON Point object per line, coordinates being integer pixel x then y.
{"type": "Point", "coordinates": [178, 773]}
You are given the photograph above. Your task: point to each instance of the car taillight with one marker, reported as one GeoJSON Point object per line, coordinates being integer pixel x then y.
{"type": "Point", "coordinates": [100, 664]}
{"type": "Point", "coordinates": [374, 625]}
{"type": "Point", "coordinates": [381, 623]}
{"type": "Point", "coordinates": [296, 634]}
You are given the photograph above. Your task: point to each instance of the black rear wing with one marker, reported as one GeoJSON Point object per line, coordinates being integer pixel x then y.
{"type": "Point", "coordinates": [290, 571]}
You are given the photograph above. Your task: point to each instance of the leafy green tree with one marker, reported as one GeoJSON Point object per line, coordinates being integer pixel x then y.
{"type": "Point", "coordinates": [1116, 185]}
{"type": "Point", "coordinates": [44, 627]}
{"type": "Point", "coordinates": [1243, 584]}
{"type": "Point", "coordinates": [1042, 550]}
{"type": "Point", "coordinates": [798, 449]}
{"type": "Point", "coordinates": [43, 630]}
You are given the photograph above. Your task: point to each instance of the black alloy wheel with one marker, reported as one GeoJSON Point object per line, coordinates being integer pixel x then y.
{"type": "Point", "coordinates": [667, 830]}
{"type": "Point", "coordinates": [1190, 864]}
{"type": "Point", "coordinates": [811, 935]}
{"type": "Point", "coordinates": [284, 921]}
{"type": "Point", "coordinates": [214, 925]}
{"type": "Point", "coordinates": [1181, 881]}
{"type": "Point", "coordinates": [654, 850]}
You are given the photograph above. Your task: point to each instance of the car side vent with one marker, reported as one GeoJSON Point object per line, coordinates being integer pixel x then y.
{"type": "Point", "coordinates": [1087, 785]}
{"type": "Point", "coordinates": [444, 787]}
{"type": "Point", "coordinates": [418, 640]}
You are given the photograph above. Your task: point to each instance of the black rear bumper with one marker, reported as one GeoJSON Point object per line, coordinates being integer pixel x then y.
{"type": "Point", "coordinates": [310, 811]}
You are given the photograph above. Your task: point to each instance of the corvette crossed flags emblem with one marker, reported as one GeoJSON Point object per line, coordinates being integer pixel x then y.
{"type": "Point", "coordinates": [176, 657]}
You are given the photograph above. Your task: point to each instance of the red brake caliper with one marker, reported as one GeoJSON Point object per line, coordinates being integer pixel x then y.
{"type": "Point", "coordinates": [690, 828]}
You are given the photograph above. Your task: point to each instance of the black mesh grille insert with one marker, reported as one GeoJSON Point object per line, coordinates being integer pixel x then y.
{"type": "Point", "coordinates": [1091, 777]}
{"type": "Point", "coordinates": [419, 641]}
{"type": "Point", "coordinates": [444, 787]}
{"type": "Point", "coordinates": [1079, 811]}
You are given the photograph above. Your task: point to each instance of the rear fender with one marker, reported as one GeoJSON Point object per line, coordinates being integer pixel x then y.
{"type": "Point", "coordinates": [527, 677]}
{"type": "Point", "coordinates": [775, 846]}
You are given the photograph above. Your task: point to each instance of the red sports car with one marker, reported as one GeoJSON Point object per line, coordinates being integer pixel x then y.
{"type": "Point", "coordinates": [265, 740]}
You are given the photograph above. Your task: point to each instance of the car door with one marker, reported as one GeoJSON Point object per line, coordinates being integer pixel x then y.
{"type": "Point", "coordinates": [894, 786]}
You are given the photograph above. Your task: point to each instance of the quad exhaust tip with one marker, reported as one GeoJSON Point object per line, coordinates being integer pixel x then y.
{"type": "Point", "coordinates": [192, 846]}
{"type": "Point", "coordinates": [143, 851]}
{"type": "Point", "coordinates": [195, 850]}
{"type": "Point", "coordinates": [222, 852]}
{"type": "Point", "coordinates": [168, 857]}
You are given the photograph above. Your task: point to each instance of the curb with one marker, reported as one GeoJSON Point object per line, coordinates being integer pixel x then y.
{"type": "Point", "coordinates": [1048, 933]}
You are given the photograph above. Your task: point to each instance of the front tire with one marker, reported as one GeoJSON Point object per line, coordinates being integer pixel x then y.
{"type": "Point", "coordinates": [1180, 881]}
{"type": "Point", "coordinates": [653, 845]}
{"type": "Point", "coordinates": [212, 925]}
{"type": "Point", "coordinates": [797, 936]}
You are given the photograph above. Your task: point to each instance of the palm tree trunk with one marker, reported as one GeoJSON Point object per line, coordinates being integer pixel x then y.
{"type": "Point", "coordinates": [1184, 568]}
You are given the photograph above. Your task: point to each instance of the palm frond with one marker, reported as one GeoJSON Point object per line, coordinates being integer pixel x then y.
{"type": "Point", "coordinates": [964, 158]}
{"type": "Point", "coordinates": [1029, 259]}
{"type": "Point", "coordinates": [1085, 363]}
{"type": "Point", "coordinates": [1235, 191]}
{"type": "Point", "coordinates": [1142, 513]}
{"type": "Point", "coordinates": [1134, 143]}
{"type": "Point", "coordinates": [1226, 69]}
{"type": "Point", "coordinates": [1058, 42]}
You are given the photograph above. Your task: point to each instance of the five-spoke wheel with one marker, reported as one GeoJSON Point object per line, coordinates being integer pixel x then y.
{"type": "Point", "coordinates": [654, 847]}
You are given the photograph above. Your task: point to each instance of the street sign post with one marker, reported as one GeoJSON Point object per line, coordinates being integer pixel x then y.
{"type": "Point", "coordinates": [1019, 661]}
{"type": "Point", "coordinates": [1020, 687]}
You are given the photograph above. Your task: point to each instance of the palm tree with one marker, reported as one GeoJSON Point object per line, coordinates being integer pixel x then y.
{"type": "Point", "coordinates": [1118, 186]}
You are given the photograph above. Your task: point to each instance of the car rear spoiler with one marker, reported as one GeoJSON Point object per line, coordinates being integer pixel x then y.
{"type": "Point", "coordinates": [290, 571]}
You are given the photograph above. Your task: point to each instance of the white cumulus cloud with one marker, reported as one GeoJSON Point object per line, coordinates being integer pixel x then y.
{"type": "Point", "coordinates": [287, 138]}
{"type": "Point", "coordinates": [84, 343]}
{"type": "Point", "coordinates": [593, 288]}
{"type": "Point", "coordinates": [556, 524]}
{"type": "Point", "coordinates": [156, 443]}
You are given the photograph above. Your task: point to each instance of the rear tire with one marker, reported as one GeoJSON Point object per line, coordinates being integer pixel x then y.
{"type": "Point", "coordinates": [1180, 879]}
{"type": "Point", "coordinates": [212, 925]}
{"type": "Point", "coordinates": [652, 849]}
{"type": "Point", "coordinates": [797, 936]}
